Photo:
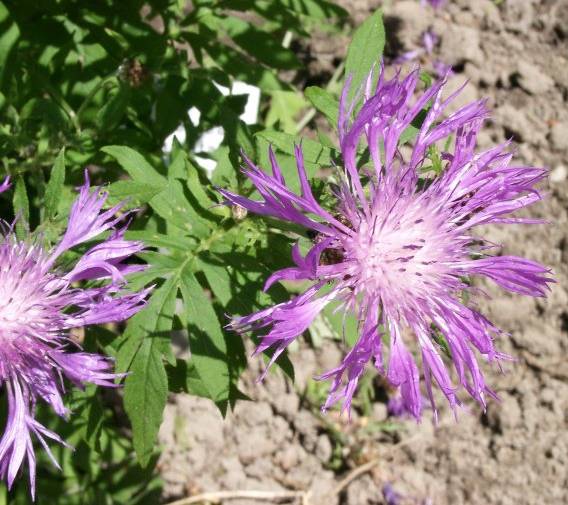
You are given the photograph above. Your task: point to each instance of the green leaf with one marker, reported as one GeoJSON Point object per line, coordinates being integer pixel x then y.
{"type": "Point", "coordinates": [88, 412]}
{"type": "Point", "coordinates": [412, 130]}
{"type": "Point", "coordinates": [284, 108]}
{"type": "Point", "coordinates": [207, 342]}
{"type": "Point", "coordinates": [135, 164]}
{"type": "Point", "coordinates": [365, 51]}
{"type": "Point", "coordinates": [183, 377]}
{"type": "Point", "coordinates": [145, 396]}
{"type": "Point", "coordinates": [9, 35]}
{"type": "Point", "coordinates": [135, 193]}
{"type": "Point", "coordinates": [113, 110]}
{"type": "Point", "coordinates": [264, 46]}
{"type": "Point", "coordinates": [171, 202]}
{"type": "Point", "coordinates": [159, 240]}
{"type": "Point", "coordinates": [219, 278]}
{"type": "Point", "coordinates": [146, 341]}
{"type": "Point", "coordinates": [156, 317]}
{"type": "Point", "coordinates": [343, 325]}
{"type": "Point", "coordinates": [324, 102]}
{"type": "Point", "coordinates": [313, 151]}
{"type": "Point", "coordinates": [317, 9]}
{"type": "Point", "coordinates": [235, 63]}
{"type": "Point", "coordinates": [55, 186]}
{"type": "Point", "coordinates": [195, 185]}
{"type": "Point", "coordinates": [316, 156]}
{"type": "Point", "coordinates": [21, 207]}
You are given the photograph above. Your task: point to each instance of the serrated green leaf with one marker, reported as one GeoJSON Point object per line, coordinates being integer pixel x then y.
{"type": "Point", "coordinates": [225, 173]}
{"type": "Point", "coordinates": [133, 193]}
{"type": "Point", "coordinates": [136, 165]}
{"type": "Point", "coordinates": [284, 109]}
{"type": "Point", "coordinates": [196, 187]}
{"type": "Point", "coordinates": [236, 280]}
{"type": "Point", "coordinates": [313, 151]}
{"type": "Point", "coordinates": [55, 186]}
{"type": "Point", "coordinates": [170, 203]}
{"type": "Point", "coordinates": [365, 51]}
{"type": "Point", "coordinates": [21, 207]}
{"type": "Point", "coordinates": [324, 102]}
{"type": "Point", "coordinates": [157, 317]}
{"type": "Point", "coordinates": [145, 396]}
{"type": "Point", "coordinates": [207, 342]}
{"type": "Point", "coordinates": [145, 343]}
{"type": "Point", "coordinates": [287, 163]}
{"type": "Point", "coordinates": [177, 168]}
{"type": "Point", "coordinates": [183, 377]}
{"type": "Point", "coordinates": [219, 278]}
{"type": "Point", "coordinates": [159, 240]}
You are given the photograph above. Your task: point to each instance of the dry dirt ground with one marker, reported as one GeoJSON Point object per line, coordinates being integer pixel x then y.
{"type": "Point", "coordinates": [514, 52]}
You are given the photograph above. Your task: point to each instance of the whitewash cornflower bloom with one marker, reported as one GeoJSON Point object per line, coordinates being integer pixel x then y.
{"type": "Point", "coordinates": [39, 303]}
{"type": "Point", "coordinates": [399, 250]}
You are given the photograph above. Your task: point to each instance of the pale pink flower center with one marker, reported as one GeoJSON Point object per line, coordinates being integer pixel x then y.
{"type": "Point", "coordinates": [401, 253]}
{"type": "Point", "coordinates": [23, 300]}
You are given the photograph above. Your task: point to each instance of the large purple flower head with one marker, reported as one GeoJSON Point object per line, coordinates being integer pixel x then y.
{"type": "Point", "coordinates": [40, 302]}
{"type": "Point", "coordinates": [399, 250]}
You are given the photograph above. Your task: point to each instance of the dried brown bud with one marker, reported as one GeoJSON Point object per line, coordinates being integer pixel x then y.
{"type": "Point", "coordinates": [133, 72]}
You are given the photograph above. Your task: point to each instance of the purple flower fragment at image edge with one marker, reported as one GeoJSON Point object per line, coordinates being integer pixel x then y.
{"type": "Point", "coordinates": [390, 496]}
{"type": "Point", "coordinates": [5, 185]}
{"type": "Point", "coordinates": [40, 304]}
{"type": "Point", "coordinates": [399, 252]}
{"type": "Point", "coordinates": [436, 4]}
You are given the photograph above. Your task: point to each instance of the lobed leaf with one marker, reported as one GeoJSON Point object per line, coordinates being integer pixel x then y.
{"type": "Point", "coordinates": [207, 342]}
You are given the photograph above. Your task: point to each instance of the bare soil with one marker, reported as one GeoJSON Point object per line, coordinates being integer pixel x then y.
{"type": "Point", "coordinates": [515, 53]}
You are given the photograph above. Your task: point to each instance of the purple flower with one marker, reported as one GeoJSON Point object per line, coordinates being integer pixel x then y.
{"type": "Point", "coordinates": [41, 302]}
{"type": "Point", "coordinates": [396, 406]}
{"type": "Point", "coordinates": [390, 495]}
{"type": "Point", "coordinates": [436, 4]}
{"type": "Point", "coordinates": [399, 250]}
{"type": "Point", "coordinates": [5, 185]}
{"type": "Point", "coordinates": [429, 41]}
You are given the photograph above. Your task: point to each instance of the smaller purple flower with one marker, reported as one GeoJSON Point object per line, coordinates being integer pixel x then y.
{"type": "Point", "coordinates": [442, 69]}
{"type": "Point", "coordinates": [390, 495]}
{"type": "Point", "coordinates": [436, 4]}
{"type": "Point", "coordinates": [5, 185]}
{"type": "Point", "coordinates": [429, 41]}
{"type": "Point", "coordinates": [396, 406]}
{"type": "Point", "coordinates": [40, 302]}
